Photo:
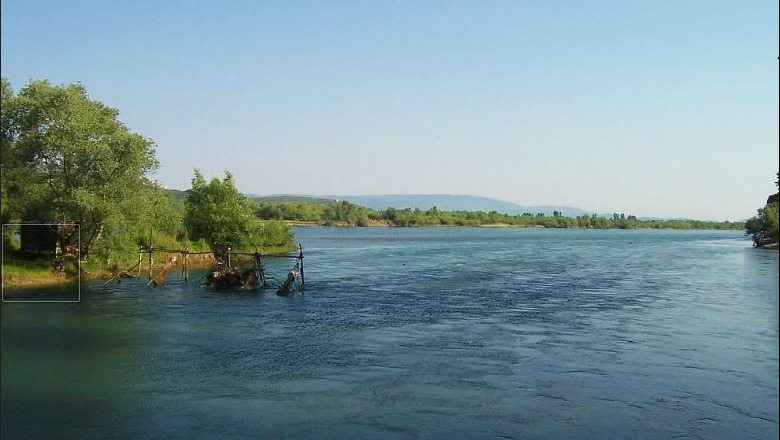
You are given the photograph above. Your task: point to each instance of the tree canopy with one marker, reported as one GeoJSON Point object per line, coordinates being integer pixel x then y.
{"type": "Point", "coordinates": [218, 213]}
{"type": "Point", "coordinates": [67, 158]}
{"type": "Point", "coordinates": [765, 227]}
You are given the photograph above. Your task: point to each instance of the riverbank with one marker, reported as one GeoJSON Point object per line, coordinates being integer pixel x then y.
{"type": "Point", "coordinates": [389, 224]}
{"type": "Point", "coordinates": [19, 272]}
{"type": "Point", "coordinates": [41, 279]}
{"type": "Point", "coordinates": [38, 273]}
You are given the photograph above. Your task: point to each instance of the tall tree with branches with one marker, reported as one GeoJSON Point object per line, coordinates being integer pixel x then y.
{"type": "Point", "coordinates": [74, 163]}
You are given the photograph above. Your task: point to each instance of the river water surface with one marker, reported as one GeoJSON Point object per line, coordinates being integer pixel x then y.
{"type": "Point", "coordinates": [440, 333]}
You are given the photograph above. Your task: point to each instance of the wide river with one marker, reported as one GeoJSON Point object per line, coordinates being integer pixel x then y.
{"type": "Point", "coordinates": [416, 333]}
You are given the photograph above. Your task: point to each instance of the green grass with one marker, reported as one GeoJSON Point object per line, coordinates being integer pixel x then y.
{"type": "Point", "coordinates": [33, 271]}
{"type": "Point", "coordinates": [25, 267]}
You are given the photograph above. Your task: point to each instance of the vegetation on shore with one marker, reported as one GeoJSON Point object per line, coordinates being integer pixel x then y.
{"type": "Point", "coordinates": [219, 214]}
{"type": "Point", "coordinates": [33, 272]}
{"type": "Point", "coordinates": [332, 213]}
{"type": "Point", "coordinates": [763, 228]}
{"type": "Point", "coordinates": [69, 163]}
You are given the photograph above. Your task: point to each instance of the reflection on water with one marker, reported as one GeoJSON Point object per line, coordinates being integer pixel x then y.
{"type": "Point", "coordinates": [419, 333]}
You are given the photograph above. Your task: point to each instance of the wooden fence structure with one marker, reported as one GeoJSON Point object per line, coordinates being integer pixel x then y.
{"type": "Point", "coordinates": [225, 260]}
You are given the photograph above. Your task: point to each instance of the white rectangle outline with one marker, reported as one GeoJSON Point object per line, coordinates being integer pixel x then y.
{"type": "Point", "coordinates": [2, 259]}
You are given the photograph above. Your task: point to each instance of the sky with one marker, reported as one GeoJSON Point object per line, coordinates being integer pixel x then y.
{"type": "Point", "coordinates": [649, 108]}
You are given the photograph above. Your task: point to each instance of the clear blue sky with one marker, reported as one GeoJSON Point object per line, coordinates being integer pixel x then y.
{"type": "Point", "coordinates": [652, 108]}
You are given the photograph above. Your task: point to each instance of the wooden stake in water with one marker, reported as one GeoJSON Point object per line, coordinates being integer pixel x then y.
{"type": "Point", "coordinates": [151, 248]}
{"type": "Point", "coordinates": [300, 258]}
{"type": "Point", "coordinates": [184, 266]}
{"type": "Point", "coordinates": [140, 258]}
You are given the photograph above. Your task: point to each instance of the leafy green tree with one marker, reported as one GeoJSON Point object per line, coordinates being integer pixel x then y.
{"type": "Point", "coordinates": [269, 211]}
{"type": "Point", "coordinates": [218, 213]}
{"type": "Point", "coordinates": [11, 170]}
{"type": "Point", "coordinates": [71, 160]}
{"type": "Point", "coordinates": [764, 227]}
{"type": "Point", "coordinates": [276, 235]}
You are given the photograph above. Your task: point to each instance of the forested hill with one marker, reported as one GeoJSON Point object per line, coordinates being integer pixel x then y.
{"type": "Point", "coordinates": [180, 195]}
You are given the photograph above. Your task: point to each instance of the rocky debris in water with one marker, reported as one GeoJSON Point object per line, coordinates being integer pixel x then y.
{"type": "Point", "coordinates": [221, 276]}
{"type": "Point", "coordinates": [289, 282]}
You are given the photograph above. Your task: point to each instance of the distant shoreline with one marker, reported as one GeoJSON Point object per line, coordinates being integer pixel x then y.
{"type": "Point", "coordinates": [387, 224]}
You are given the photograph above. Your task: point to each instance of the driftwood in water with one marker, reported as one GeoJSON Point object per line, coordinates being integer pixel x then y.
{"type": "Point", "coordinates": [119, 274]}
{"type": "Point", "coordinates": [250, 280]}
{"type": "Point", "coordinates": [160, 277]}
{"type": "Point", "coordinates": [221, 276]}
{"type": "Point", "coordinates": [289, 282]}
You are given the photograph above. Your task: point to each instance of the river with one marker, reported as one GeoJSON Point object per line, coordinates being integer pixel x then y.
{"type": "Point", "coordinates": [416, 333]}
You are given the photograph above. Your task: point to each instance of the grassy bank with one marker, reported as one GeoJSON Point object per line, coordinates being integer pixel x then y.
{"type": "Point", "coordinates": [38, 273]}
{"type": "Point", "coordinates": [31, 272]}
{"type": "Point", "coordinates": [34, 272]}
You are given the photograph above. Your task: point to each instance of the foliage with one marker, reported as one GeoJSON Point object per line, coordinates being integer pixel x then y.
{"type": "Point", "coordinates": [764, 227]}
{"type": "Point", "coordinates": [224, 218]}
{"type": "Point", "coordinates": [333, 213]}
{"type": "Point", "coordinates": [315, 210]}
{"type": "Point", "coordinates": [68, 158]}
{"type": "Point", "coordinates": [159, 218]}
{"type": "Point", "coordinates": [275, 234]}
{"type": "Point", "coordinates": [14, 176]}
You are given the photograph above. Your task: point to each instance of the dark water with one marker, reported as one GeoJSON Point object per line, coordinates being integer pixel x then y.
{"type": "Point", "coordinates": [418, 333]}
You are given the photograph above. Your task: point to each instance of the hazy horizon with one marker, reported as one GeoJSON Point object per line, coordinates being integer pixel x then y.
{"type": "Point", "coordinates": [665, 109]}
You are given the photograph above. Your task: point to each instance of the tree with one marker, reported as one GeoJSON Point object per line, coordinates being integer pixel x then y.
{"type": "Point", "coordinates": [218, 213]}
{"type": "Point", "coordinates": [9, 165]}
{"type": "Point", "coordinates": [765, 227]}
{"type": "Point", "coordinates": [72, 161]}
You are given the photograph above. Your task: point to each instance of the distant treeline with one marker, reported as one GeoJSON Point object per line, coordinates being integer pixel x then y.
{"type": "Point", "coordinates": [343, 212]}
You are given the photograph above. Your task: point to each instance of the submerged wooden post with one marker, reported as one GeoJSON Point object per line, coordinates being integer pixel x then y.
{"type": "Point", "coordinates": [289, 282]}
{"type": "Point", "coordinates": [151, 248]}
{"type": "Point", "coordinates": [184, 266]}
{"type": "Point", "coordinates": [259, 269]}
{"type": "Point", "coordinates": [300, 258]}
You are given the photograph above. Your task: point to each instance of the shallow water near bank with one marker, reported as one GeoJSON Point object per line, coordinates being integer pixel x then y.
{"type": "Point", "coordinates": [425, 333]}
